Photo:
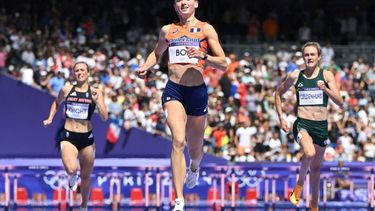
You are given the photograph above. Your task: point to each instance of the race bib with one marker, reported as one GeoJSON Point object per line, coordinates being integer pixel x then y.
{"type": "Point", "coordinates": [178, 54]}
{"type": "Point", "coordinates": [313, 96]}
{"type": "Point", "coordinates": [77, 110]}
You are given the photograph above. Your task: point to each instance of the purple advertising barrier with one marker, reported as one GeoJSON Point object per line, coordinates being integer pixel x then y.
{"type": "Point", "coordinates": [22, 111]}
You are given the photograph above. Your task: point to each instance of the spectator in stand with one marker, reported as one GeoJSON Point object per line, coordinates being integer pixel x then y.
{"type": "Point", "coordinates": [270, 27]}
{"type": "Point", "coordinates": [243, 136]}
{"type": "Point", "coordinates": [3, 58]}
{"type": "Point", "coordinates": [56, 83]}
{"type": "Point", "coordinates": [27, 75]}
{"type": "Point", "coordinates": [328, 54]}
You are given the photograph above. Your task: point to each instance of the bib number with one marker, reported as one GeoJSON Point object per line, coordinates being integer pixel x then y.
{"type": "Point", "coordinates": [311, 97]}
{"type": "Point", "coordinates": [77, 110]}
{"type": "Point", "coordinates": [178, 54]}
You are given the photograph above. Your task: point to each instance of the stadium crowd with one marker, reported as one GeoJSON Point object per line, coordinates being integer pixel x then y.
{"type": "Point", "coordinates": [242, 121]}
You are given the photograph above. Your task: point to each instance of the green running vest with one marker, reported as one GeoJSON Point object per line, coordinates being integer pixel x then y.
{"type": "Point", "coordinates": [308, 92]}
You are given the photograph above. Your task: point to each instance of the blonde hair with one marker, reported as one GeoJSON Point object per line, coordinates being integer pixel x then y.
{"type": "Point", "coordinates": [315, 44]}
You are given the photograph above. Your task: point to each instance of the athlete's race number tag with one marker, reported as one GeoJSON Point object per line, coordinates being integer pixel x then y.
{"type": "Point", "coordinates": [77, 110]}
{"type": "Point", "coordinates": [178, 54]}
{"type": "Point", "coordinates": [311, 97]}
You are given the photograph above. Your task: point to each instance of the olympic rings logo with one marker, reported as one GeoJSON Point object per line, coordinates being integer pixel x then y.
{"type": "Point", "coordinates": [52, 178]}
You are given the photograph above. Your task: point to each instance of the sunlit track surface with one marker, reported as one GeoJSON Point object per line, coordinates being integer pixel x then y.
{"type": "Point", "coordinates": [33, 184]}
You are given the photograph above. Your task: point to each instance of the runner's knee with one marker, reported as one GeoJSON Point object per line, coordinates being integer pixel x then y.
{"type": "Point", "coordinates": [310, 153]}
{"type": "Point", "coordinates": [71, 169]}
{"type": "Point", "coordinates": [178, 143]}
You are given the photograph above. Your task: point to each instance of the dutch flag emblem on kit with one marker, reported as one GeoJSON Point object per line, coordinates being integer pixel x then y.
{"type": "Point", "coordinates": [195, 30]}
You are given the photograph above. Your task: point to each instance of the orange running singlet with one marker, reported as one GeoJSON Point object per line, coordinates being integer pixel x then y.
{"type": "Point", "coordinates": [180, 37]}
